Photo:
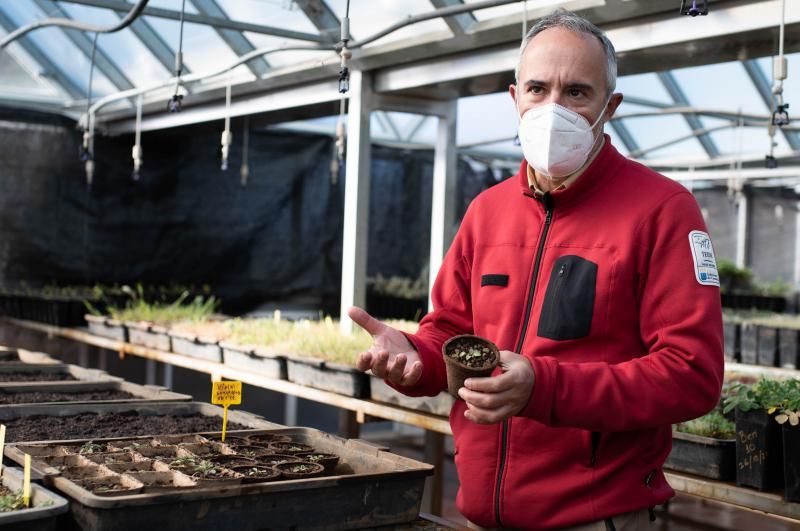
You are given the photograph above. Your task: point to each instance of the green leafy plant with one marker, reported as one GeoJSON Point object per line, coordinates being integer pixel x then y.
{"type": "Point", "coordinates": [139, 309]}
{"type": "Point", "coordinates": [713, 424]}
{"type": "Point", "coordinates": [733, 278]}
{"type": "Point", "coordinates": [90, 447]}
{"type": "Point", "coordinates": [11, 502]}
{"type": "Point", "coordinates": [205, 468]}
{"type": "Point", "coordinates": [773, 396]}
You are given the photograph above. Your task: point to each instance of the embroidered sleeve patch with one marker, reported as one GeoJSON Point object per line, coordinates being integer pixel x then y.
{"type": "Point", "coordinates": [705, 264]}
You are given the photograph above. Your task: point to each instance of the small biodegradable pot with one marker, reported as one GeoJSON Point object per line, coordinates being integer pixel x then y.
{"type": "Point", "coordinates": [300, 470]}
{"type": "Point", "coordinates": [277, 459]}
{"type": "Point", "coordinates": [252, 452]}
{"type": "Point", "coordinates": [289, 448]}
{"type": "Point", "coordinates": [468, 356]}
{"type": "Point", "coordinates": [112, 485]}
{"type": "Point", "coordinates": [230, 461]}
{"type": "Point", "coordinates": [257, 473]}
{"type": "Point", "coordinates": [329, 461]}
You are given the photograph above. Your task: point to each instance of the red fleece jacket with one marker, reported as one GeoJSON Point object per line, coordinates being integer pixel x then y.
{"type": "Point", "coordinates": [612, 304]}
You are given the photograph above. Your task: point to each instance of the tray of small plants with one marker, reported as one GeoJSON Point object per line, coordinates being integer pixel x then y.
{"type": "Point", "coordinates": [83, 392]}
{"type": "Point", "coordinates": [42, 374]}
{"type": "Point", "coordinates": [41, 513]}
{"type": "Point", "coordinates": [293, 478]}
{"type": "Point", "coordinates": [82, 421]}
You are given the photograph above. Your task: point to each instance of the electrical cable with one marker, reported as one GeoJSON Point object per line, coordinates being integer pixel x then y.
{"type": "Point", "coordinates": [136, 152]}
{"type": "Point", "coordinates": [244, 171]}
{"type": "Point", "coordinates": [132, 15]}
{"type": "Point", "coordinates": [227, 136]}
{"type": "Point", "coordinates": [87, 145]}
{"type": "Point", "coordinates": [175, 104]}
{"type": "Point", "coordinates": [780, 114]}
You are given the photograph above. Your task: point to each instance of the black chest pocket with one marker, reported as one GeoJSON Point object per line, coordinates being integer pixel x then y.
{"type": "Point", "coordinates": [569, 301]}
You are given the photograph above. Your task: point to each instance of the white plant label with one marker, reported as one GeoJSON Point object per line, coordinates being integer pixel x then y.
{"type": "Point", "coordinates": [705, 263]}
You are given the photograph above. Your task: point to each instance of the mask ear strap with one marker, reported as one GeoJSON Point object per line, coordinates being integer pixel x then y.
{"type": "Point", "coordinates": [608, 100]}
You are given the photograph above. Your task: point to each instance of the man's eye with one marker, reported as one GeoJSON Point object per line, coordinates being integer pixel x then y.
{"type": "Point", "coordinates": [536, 90]}
{"type": "Point", "coordinates": [575, 93]}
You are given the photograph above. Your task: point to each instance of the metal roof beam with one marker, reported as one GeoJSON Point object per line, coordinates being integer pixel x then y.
{"type": "Point", "coordinates": [84, 43]}
{"type": "Point", "coordinates": [625, 135]}
{"type": "Point", "coordinates": [458, 24]}
{"type": "Point", "coordinates": [765, 91]}
{"type": "Point", "coordinates": [49, 68]}
{"type": "Point", "coordinates": [217, 22]}
{"type": "Point", "coordinates": [234, 39]}
{"type": "Point", "coordinates": [322, 16]}
{"type": "Point", "coordinates": [677, 94]}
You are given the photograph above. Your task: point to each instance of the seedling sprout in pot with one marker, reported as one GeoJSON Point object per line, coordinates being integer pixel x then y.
{"type": "Point", "coordinates": [468, 356]}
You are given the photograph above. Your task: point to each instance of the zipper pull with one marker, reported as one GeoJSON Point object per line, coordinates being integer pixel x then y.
{"type": "Point", "coordinates": [562, 270]}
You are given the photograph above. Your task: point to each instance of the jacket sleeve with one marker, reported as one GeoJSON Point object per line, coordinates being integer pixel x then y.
{"type": "Point", "coordinates": [451, 315]}
{"type": "Point", "coordinates": [679, 377]}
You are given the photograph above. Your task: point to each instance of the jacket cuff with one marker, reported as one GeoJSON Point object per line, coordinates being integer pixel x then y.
{"type": "Point", "coordinates": [540, 403]}
{"type": "Point", "coordinates": [426, 384]}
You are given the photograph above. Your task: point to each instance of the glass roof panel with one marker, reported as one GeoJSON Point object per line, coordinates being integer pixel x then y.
{"type": "Point", "coordinates": [289, 58]}
{"type": "Point", "coordinates": [19, 80]}
{"type": "Point", "coordinates": [511, 9]}
{"type": "Point", "coordinates": [172, 5]}
{"type": "Point", "coordinates": [486, 118]}
{"type": "Point", "coordinates": [55, 44]}
{"type": "Point", "coordinates": [203, 49]}
{"type": "Point", "coordinates": [368, 18]}
{"type": "Point", "coordinates": [651, 131]}
{"type": "Point", "coordinates": [720, 86]}
{"type": "Point", "coordinates": [276, 13]}
{"type": "Point", "coordinates": [646, 86]}
{"type": "Point", "coordinates": [123, 47]}
{"type": "Point", "coordinates": [748, 141]}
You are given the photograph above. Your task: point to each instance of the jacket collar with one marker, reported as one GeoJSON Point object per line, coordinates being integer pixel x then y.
{"type": "Point", "coordinates": [597, 175]}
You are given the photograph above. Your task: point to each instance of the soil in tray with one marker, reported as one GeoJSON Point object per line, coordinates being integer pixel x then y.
{"type": "Point", "coordinates": [35, 397]}
{"type": "Point", "coordinates": [93, 425]}
{"type": "Point", "coordinates": [26, 376]}
{"type": "Point", "coordinates": [10, 501]}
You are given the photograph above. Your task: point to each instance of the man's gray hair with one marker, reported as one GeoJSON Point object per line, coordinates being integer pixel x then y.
{"type": "Point", "coordinates": [561, 18]}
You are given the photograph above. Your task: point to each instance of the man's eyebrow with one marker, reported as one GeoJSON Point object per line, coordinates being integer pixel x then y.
{"type": "Point", "coordinates": [581, 86]}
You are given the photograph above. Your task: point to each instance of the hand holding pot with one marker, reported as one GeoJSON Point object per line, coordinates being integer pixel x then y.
{"type": "Point", "coordinates": [391, 356]}
{"type": "Point", "coordinates": [497, 398]}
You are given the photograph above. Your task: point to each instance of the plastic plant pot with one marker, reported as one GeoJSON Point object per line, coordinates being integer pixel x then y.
{"type": "Point", "coordinates": [468, 356]}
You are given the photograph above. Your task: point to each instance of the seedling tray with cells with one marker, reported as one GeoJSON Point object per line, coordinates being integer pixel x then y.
{"type": "Point", "coordinates": [370, 485]}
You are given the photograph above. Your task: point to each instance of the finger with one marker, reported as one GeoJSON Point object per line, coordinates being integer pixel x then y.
{"type": "Point", "coordinates": [379, 362]}
{"type": "Point", "coordinates": [364, 362]}
{"type": "Point", "coordinates": [396, 368]}
{"type": "Point", "coordinates": [489, 384]}
{"type": "Point", "coordinates": [484, 400]}
{"type": "Point", "coordinates": [486, 416]}
{"type": "Point", "coordinates": [506, 358]}
{"type": "Point", "coordinates": [366, 321]}
{"type": "Point", "coordinates": [413, 375]}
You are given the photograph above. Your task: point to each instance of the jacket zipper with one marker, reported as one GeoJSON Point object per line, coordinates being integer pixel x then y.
{"type": "Point", "coordinates": [547, 201]}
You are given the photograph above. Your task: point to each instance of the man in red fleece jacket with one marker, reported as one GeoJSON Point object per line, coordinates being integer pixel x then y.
{"type": "Point", "coordinates": [596, 278]}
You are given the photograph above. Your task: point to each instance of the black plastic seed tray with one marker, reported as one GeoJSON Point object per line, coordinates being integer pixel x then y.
{"type": "Point", "coordinates": [51, 369]}
{"type": "Point", "coordinates": [370, 487]}
{"type": "Point", "coordinates": [73, 393]}
{"type": "Point", "coordinates": [41, 515]}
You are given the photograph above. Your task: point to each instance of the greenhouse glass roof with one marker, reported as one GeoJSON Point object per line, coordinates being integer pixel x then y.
{"type": "Point", "coordinates": [700, 111]}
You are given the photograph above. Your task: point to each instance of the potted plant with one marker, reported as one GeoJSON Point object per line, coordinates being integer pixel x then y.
{"type": "Point", "coordinates": [468, 356]}
{"type": "Point", "coordinates": [300, 470]}
{"type": "Point", "coordinates": [290, 448]}
{"type": "Point", "coordinates": [257, 473]}
{"type": "Point", "coordinates": [329, 461]}
{"type": "Point", "coordinates": [787, 414]}
{"type": "Point", "coordinates": [758, 441]}
{"type": "Point", "coordinates": [705, 446]}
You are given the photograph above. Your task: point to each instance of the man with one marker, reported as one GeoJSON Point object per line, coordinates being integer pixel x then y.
{"type": "Point", "coordinates": [596, 279]}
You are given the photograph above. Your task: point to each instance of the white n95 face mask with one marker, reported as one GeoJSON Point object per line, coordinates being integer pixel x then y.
{"type": "Point", "coordinates": [555, 140]}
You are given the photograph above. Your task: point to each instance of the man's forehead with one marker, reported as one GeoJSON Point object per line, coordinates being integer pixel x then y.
{"type": "Point", "coordinates": [577, 56]}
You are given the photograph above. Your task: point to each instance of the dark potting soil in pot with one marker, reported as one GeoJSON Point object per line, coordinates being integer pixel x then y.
{"type": "Point", "coordinates": [471, 353]}
{"type": "Point", "coordinates": [36, 377]}
{"type": "Point", "coordinates": [36, 397]}
{"type": "Point", "coordinates": [92, 425]}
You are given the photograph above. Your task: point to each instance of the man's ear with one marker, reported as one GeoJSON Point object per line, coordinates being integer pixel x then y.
{"type": "Point", "coordinates": [512, 89]}
{"type": "Point", "coordinates": [613, 105]}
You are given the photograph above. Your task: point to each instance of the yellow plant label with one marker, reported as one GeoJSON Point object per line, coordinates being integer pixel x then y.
{"type": "Point", "coordinates": [2, 446]}
{"type": "Point", "coordinates": [26, 482]}
{"type": "Point", "coordinates": [226, 393]}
